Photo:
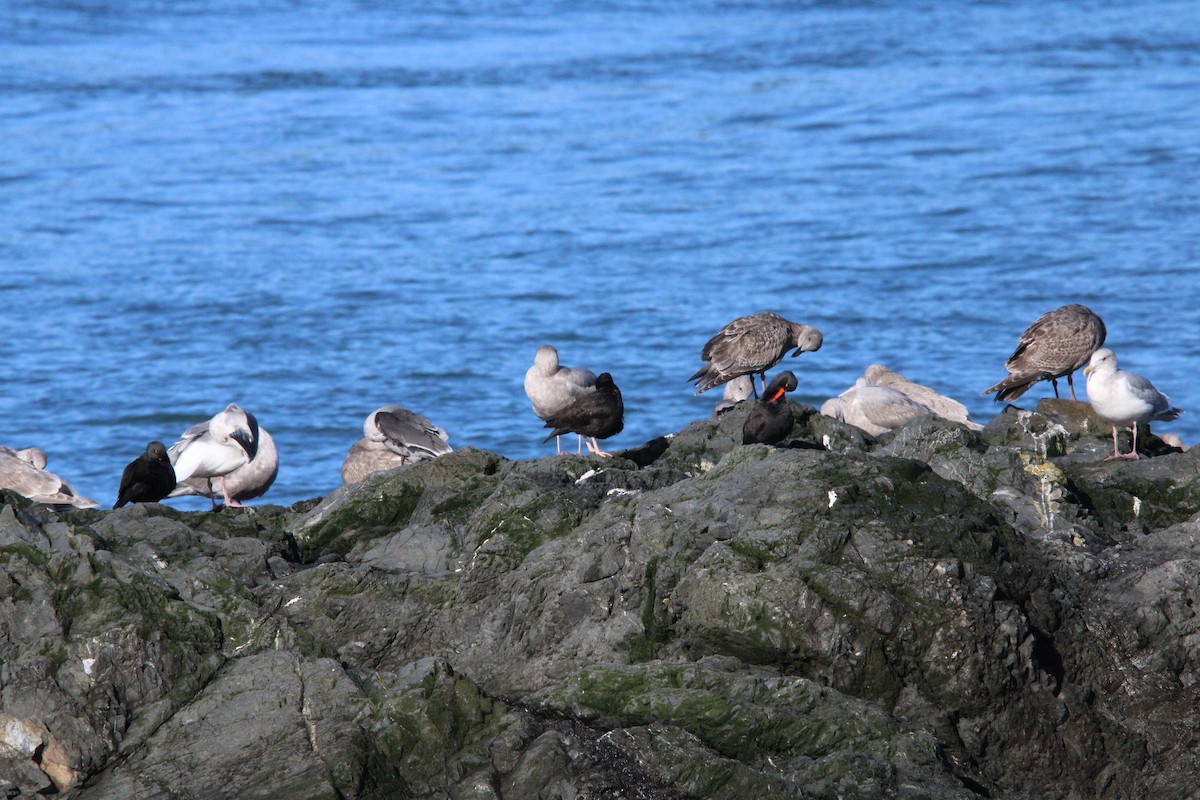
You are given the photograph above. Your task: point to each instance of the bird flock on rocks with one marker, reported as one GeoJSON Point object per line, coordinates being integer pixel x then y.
{"type": "Point", "coordinates": [231, 458]}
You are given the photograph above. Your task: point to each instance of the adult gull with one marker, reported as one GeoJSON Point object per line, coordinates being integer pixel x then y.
{"type": "Point", "coordinates": [551, 386]}
{"type": "Point", "coordinates": [1124, 398]}
{"type": "Point", "coordinates": [215, 448]}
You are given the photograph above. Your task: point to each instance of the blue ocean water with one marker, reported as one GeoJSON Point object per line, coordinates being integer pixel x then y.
{"type": "Point", "coordinates": [317, 209]}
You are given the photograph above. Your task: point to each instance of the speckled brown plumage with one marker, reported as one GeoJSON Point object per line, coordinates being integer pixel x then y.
{"type": "Point", "coordinates": [1055, 345]}
{"type": "Point", "coordinates": [751, 345]}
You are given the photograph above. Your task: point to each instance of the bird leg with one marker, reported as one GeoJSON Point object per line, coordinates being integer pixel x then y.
{"type": "Point", "coordinates": [1071, 383]}
{"type": "Point", "coordinates": [1054, 383]}
{"type": "Point", "coordinates": [1131, 454]}
{"type": "Point", "coordinates": [579, 445]}
{"type": "Point", "coordinates": [558, 444]}
{"type": "Point", "coordinates": [229, 501]}
{"type": "Point", "coordinates": [594, 447]}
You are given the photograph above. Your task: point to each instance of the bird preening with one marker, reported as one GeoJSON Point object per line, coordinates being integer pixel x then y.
{"type": "Point", "coordinates": [751, 345]}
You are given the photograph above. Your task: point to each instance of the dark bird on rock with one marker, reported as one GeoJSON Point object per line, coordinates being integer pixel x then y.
{"type": "Point", "coordinates": [148, 478]}
{"type": "Point", "coordinates": [1055, 345]}
{"type": "Point", "coordinates": [597, 415]}
{"type": "Point", "coordinates": [750, 346]}
{"type": "Point", "coordinates": [551, 386]}
{"type": "Point", "coordinates": [771, 418]}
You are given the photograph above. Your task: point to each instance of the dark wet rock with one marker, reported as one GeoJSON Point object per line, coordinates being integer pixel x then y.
{"type": "Point", "coordinates": [933, 613]}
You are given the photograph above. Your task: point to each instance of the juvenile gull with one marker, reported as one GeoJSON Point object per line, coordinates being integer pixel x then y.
{"type": "Point", "coordinates": [874, 409]}
{"type": "Point", "coordinates": [551, 386]}
{"type": "Point", "coordinates": [939, 404]}
{"type": "Point", "coordinates": [24, 472]}
{"type": "Point", "coordinates": [248, 481]}
{"type": "Point", "coordinates": [751, 345]}
{"type": "Point", "coordinates": [1056, 344]}
{"type": "Point", "coordinates": [215, 448]}
{"type": "Point", "coordinates": [598, 415]}
{"type": "Point", "coordinates": [771, 419]}
{"type": "Point", "coordinates": [393, 437]}
{"type": "Point", "coordinates": [148, 478]}
{"type": "Point", "coordinates": [737, 390]}
{"type": "Point", "coordinates": [1124, 398]}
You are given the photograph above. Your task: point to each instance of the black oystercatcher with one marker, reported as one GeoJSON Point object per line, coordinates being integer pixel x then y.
{"type": "Point", "coordinates": [598, 415]}
{"type": "Point", "coordinates": [551, 386]}
{"type": "Point", "coordinates": [771, 418]}
{"type": "Point", "coordinates": [750, 346]}
{"type": "Point", "coordinates": [148, 478]}
{"type": "Point", "coordinates": [1056, 344]}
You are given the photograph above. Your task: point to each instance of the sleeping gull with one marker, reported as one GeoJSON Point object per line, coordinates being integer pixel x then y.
{"type": "Point", "coordinates": [248, 481]}
{"type": "Point", "coordinates": [751, 345]}
{"type": "Point", "coordinates": [24, 471]}
{"type": "Point", "coordinates": [393, 437]}
{"type": "Point", "coordinates": [215, 448]}
{"type": "Point", "coordinates": [551, 386]}
{"type": "Point", "coordinates": [1124, 398]}
{"type": "Point", "coordinates": [939, 404]}
{"type": "Point", "coordinates": [148, 478]}
{"type": "Point", "coordinates": [598, 415]}
{"type": "Point", "coordinates": [874, 409]}
{"type": "Point", "coordinates": [771, 419]}
{"type": "Point", "coordinates": [1056, 344]}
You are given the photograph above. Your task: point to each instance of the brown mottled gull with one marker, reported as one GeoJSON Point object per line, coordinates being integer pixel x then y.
{"type": "Point", "coordinates": [393, 437]}
{"type": "Point", "coordinates": [939, 404]}
{"type": "Point", "coordinates": [751, 345]}
{"type": "Point", "coordinates": [551, 386]}
{"type": "Point", "coordinates": [1124, 398]}
{"type": "Point", "coordinates": [24, 472]}
{"type": "Point", "coordinates": [1055, 345]}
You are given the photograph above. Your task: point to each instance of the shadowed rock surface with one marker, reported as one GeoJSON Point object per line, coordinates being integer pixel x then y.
{"type": "Point", "coordinates": [939, 613]}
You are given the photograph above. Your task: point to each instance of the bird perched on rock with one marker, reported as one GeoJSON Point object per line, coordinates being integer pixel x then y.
{"type": "Point", "coordinates": [551, 386]}
{"type": "Point", "coordinates": [393, 437]}
{"type": "Point", "coordinates": [874, 409]}
{"type": "Point", "coordinates": [736, 390]}
{"type": "Point", "coordinates": [215, 448]}
{"type": "Point", "coordinates": [24, 472]}
{"type": "Point", "coordinates": [1055, 345]}
{"type": "Point", "coordinates": [148, 478]}
{"type": "Point", "coordinates": [939, 404]}
{"type": "Point", "coordinates": [771, 419]}
{"type": "Point", "coordinates": [248, 481]}
{"type": "Point", "coordinates": [751, 345]}
{"type": "Point", "coordinates": [1124, 398]}
{"type": "Point", "coordinates": [597, 415]}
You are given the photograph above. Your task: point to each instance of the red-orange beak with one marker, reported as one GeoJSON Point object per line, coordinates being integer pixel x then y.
{"type": "Point", "coordinates": [780, 393]}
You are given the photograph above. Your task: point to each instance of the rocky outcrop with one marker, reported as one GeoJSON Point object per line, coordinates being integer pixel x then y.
{"type": "Point", "coordinates": [941, 613]}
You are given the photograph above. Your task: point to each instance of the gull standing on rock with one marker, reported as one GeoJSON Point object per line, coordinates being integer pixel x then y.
{"type": "Point", "coordinates": [215, 448]}
{"type": "Point", "coordinates": [597, 415]}
{"type": "Point", "coordinates": [771, 419]}
{"type": "Point", "coordinates": [248, 481]}
{"type": "Point", "coordinates": [24, 472]}
{"type": "Point", "coordinates": [148, 478]}
{"type": "Point", "coordinates": [393, 437]}
{"type": "Point", "coordinates": [551, 386]}
{"type": "Point", "coordinates": [751, 345]}
{"type": "Point", "coordinates": [1124, 398]}
{"type": "Point", "coordinates": [1055, 345]}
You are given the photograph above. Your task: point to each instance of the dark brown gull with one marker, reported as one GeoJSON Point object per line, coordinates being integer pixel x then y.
{"type": "Point", "coordinates": [215, 448]}
{"type": "Point", "coordinates": [751, 345]}
{"type": "Point", "coordinates": [551, 386]}
{"type": "Point", "coordinates": [597, 415]}
{"type": "Point", "coordinates": [148, 478]}
{"type": "Point", "coordinates": [24, 472]}
{"type": "Point", "coordinates": [1124, 398]}
{"type": "Point", "coordinates": [1055, 345]}
{"type": "Point", "coordinates": [393, 437]}
{"type": "Point", "coordinates": [248, 481]}
{"type": "Point", "coordinates": [771, 419]}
